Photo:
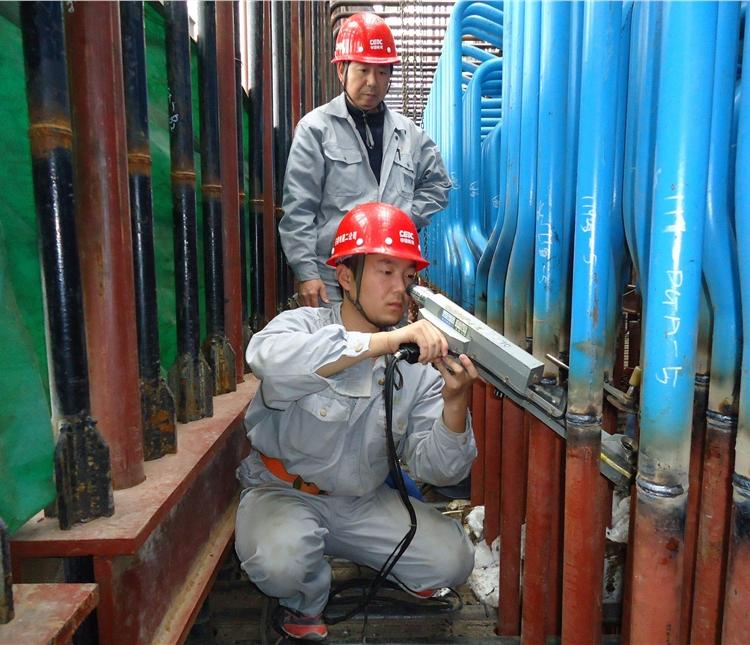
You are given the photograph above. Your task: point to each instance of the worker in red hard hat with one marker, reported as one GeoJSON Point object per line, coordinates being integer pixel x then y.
{"type": "Point", "coordinates": [315, 480]}
{"type": "Point", "coordinates": [354, 150]}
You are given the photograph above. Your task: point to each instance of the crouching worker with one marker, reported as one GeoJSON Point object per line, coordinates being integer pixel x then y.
{"type": "Point", "coordinates": [314, 481]}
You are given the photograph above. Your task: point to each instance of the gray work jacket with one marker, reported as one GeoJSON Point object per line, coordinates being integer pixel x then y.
{"type": "Point", "coordinates": [328, 173]}
{"type": "Point", "coordinates": [331, 431]}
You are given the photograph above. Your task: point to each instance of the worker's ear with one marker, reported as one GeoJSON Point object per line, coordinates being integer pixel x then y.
{"type": "Point", "coordinates": [345, 277]}
{"type": "Point", "coordinates": [341, 71]}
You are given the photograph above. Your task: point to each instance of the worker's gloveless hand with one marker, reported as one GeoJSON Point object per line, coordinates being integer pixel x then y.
{"type": "Point", "coordinates": [432, 344]}
{"type": "Point", "coordinates": [310, 293]}
{"type": "Point", "coordinates": [459, 374]}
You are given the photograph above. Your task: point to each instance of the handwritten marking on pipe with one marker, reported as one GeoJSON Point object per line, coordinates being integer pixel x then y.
{"type": "Point", "coordinates": [669, 373]}
{"type": "Point", "coordinates": [588, 227]}
{"type": "Point", "coordinates": [545, 252]}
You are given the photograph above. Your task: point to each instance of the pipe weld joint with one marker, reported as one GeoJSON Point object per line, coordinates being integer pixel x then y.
{"type": "Point", "coordinates": [583, 419]}
{"type": "Point", "coordinates": [721, 421]}
{"type": "Point", "coordinates": [659, 490]}
{"type": "Point", "coordinates": [702, 379]}
{"type": "Point", "coordinates": [211, 190]}
{"type": "Point", "coordinates": [139, 163]}
{"type": "Point", "coordinates": [741, 482]}
{"type": "Point", "coordinates": [256, 202]}
{"type": "Point", "coordinates": [45, 137]}
{"type": "Point", "coordinates": [183, 176]}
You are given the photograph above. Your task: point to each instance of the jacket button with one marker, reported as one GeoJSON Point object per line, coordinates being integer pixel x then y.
{"type": "Point", "coordinates": [323, 412]}
{"type": "Point", "coordinates": [381, 381]}
{"type": "Point", "coordinates": [401, 425]}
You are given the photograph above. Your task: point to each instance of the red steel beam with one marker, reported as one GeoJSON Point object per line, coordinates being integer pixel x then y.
{"type": "Point", "coordinates": [737, 599]}
{"type": "Point", "coordinates": [230, 204]}
{"type": "Point", "coordinates": [307, 54]}
{"type": "Point", "coordinates": [103, 225]}
{"type": "Point", "coordinates": [296, 62]}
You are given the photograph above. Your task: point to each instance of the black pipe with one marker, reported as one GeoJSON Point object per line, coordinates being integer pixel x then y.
{"type": "Point", "coordinates": [219, 353]}
{"type": "Point", "coordinates": [282, 79]}
{"type": "Point", "coordinates": [246, 328]}
{"type": "Point", "coordinates": [157, 403]}
{"type": "Point", "coordinates": [315, 47]}
{"type": "Point", "coordinates": [190, 378]}
{"type": "Point", "coordinates": [255, 159]}
{"type": "Point", "coordinates": [82, 465]}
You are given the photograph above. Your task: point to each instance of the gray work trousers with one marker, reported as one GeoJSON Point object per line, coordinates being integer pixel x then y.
{"type": "Point", "coordinates": [283, 534]}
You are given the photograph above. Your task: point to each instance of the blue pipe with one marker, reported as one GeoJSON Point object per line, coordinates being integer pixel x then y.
{"type": "Point", "coordinates": [553, 102]}
{"type": "Point", "coordinates": [512, 139]}
{"type": "Point", "coordinates": [720, 267]}
{"type": "Point", "coordinates": [595, 185]}
{"type": "Point", "coordinates": [674, 282]}
{"type": "Point", "coordinates": [520, 266]}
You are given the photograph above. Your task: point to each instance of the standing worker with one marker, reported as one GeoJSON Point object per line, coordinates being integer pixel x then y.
{"type": "Point", "coordinates": [314, 482]}
{"type": "Point", "coordinates": [354, 150]}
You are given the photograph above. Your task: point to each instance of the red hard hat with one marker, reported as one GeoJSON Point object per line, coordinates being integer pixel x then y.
{"type": "Point", "coordinates": [376, 227]}
{"type": "Point", "coordinates": [365, 38]}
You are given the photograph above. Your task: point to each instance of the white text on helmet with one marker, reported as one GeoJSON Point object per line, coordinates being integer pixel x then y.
{"type": "Point", "coordinates": [406, 237]}
{"type": "Point", "coordinates": [345, 237]}
{"type": "Point", "coordinates": [376, 43]}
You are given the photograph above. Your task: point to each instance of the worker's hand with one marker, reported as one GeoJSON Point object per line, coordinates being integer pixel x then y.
{"type": "Point", "coordinates": [432, 344]}
{"type": "Point", "coordinates": [311, 292]}
{"type": "Point", "coordinates": [459, 374]}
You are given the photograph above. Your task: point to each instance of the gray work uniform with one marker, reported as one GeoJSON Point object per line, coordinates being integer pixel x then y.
{"type": "Point", "coordinates": [331, 432]}
{"type": "Point", "coordinates": [328, 174]}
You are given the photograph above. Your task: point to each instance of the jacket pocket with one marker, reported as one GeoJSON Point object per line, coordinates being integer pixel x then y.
{"type": "Point", "coordinates": [344, 172]}
{"type": "Point", "coordinates": [403, 165]}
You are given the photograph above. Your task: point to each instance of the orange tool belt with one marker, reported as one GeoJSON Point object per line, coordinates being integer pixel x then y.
{"type": "Point", "coordinates": [276, 467]}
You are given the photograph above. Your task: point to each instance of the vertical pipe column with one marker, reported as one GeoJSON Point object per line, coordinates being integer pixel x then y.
{"type": "Point", "coordinates": [82, 466]}
{"type": "Point", "coordinates": [256, 161]}
{"type": "Point", "coordinates": [104, 234]}
{"type": "Point", "coordinates": [721, 273]}
{"type": "Point", "coordinates": [284, 112]}
{"type": "Point", "coordinates": [583, 530]}
{"type": "Point", "coordinates": [737, 599]}
{"type": "Point", "coordinates": [241, 196]}
{"type": "Point", "coordinates": [672, 307]}
{"type": "Point", "coordinates": [541, 583]}
{"type": "Point", "coordinates": [219, 352]}
{"type": "Point", "coordinates": [190, 378]}
{"type": "Point", "coordinates": [308, 49]}
{"type": "Point", "coordinates": [271, 244]}
{"type": "Point", "coordinates": [229, 178]}
{"type": "Point", "coordinates": [157, 403]}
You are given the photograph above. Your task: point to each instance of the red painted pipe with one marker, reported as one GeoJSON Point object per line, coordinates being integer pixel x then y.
{"type": "Point", "coordinates": [493, 423]}
{"type": "Point", "coordinates": [477, 422]}
{"type": "Point", "coordinates": [737, 599]}
{"type": "Point", "coordinates": [541, 583]}
{"type": "Point", "coordinates": [583, 538]}
{"type": "Point", "coordinates": [697, 441]}
{"type": "Point", "coordinates": [513, 484]}
{"type": "Point", "coordinates": [296, 63]}
{"type": "Point", "coordinates": [658, 557]}
{"type": "Point", "coordinates": [104, 235]}
{"type": "Point", "coordinates": [713, 534]}
{"type": "Point", "coordinates": [230, 205]}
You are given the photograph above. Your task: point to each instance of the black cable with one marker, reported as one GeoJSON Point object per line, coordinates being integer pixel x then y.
{"type": "Point", "coordinates": [410, 353]}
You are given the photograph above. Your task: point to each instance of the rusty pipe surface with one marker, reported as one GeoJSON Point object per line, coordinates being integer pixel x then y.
{"type": "Point", "coordinates": [478, 394]}
{"type": "Point", "coordinates": [219, 352]}
{"type": "Point", "coordinates": [492, 462]}
{"type": "Point", "coordinates": [230, 185]}
{"type": "Point", "coordinates": [157, 402]}
{"type": "Point", "coordinates": [104, 233]}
